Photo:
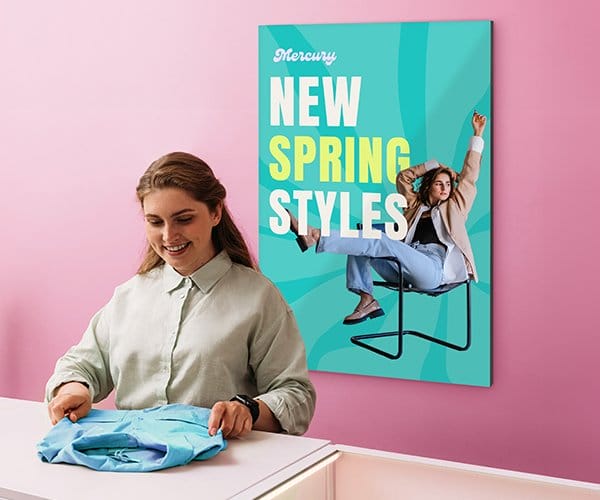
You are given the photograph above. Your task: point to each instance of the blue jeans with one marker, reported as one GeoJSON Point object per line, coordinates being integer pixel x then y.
{"type": "Point", "coordinates": [422, 265]}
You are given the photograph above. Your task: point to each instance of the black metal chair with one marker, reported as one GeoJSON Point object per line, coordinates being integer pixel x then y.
{"type": "Point", "coordinates": [400, 332]}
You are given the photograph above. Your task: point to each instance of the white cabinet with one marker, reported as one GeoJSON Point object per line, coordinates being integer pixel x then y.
{"type": "Point", "coordinates": [347, 473]}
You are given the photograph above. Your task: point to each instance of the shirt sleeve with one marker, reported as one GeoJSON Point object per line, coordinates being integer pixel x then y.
{"type": "Point", "coordinates": [278, 358]}
{"type": "Point", "coordinates": [86, 362]}
{"type": "Point", "coordinates": [476, 144]}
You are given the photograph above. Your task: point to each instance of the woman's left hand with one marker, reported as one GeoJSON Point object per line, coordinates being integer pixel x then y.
{"type": "Point", "coordinates": [478, 121]}
{"type": "Point", "coordinates": [233, 418]}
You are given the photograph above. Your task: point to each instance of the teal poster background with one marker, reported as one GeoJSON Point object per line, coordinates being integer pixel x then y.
{"type": "Point", "coordinates": [419, 85]}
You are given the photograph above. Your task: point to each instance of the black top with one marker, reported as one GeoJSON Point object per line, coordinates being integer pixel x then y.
{"type": "Point", "coordinates": [425, 231]}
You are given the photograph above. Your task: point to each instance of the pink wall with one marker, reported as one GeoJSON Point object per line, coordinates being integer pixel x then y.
{"type": "Point", "coordinates": [89, 97]}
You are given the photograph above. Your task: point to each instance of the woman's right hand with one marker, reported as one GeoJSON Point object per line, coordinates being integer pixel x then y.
{"type": "Point", "coordinates": [72, 400]}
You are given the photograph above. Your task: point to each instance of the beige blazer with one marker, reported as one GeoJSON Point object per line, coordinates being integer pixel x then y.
{"type": "Point", "coordinates": [455, 210]}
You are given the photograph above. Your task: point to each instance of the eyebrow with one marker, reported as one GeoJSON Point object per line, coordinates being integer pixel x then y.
{"type": "Point", "coordinates": [176, 214]}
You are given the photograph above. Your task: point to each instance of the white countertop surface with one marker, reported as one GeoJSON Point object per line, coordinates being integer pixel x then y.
{"type": "Point", "coordinates": [241, 466]}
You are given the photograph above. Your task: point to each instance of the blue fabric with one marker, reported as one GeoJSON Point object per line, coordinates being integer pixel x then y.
{"type": "Point", "coordinates": [133, 440]}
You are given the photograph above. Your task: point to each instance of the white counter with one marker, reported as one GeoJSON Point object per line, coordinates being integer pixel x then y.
{"type": "Point", "coordinates": [244, 464]}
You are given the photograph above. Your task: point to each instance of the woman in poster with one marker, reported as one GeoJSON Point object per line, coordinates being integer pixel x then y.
{"type": "Point", "coordinates": [436, 249]}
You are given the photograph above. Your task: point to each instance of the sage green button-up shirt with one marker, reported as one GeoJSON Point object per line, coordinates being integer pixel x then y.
{"type": "Point", "coordinates": [165, 338]}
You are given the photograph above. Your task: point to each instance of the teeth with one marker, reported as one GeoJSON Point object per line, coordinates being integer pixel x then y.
{"type": "Point", "coordinates": [177, 248]}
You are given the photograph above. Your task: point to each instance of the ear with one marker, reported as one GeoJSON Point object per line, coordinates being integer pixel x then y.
{"type": "Point", "coordinates": [217, 213]}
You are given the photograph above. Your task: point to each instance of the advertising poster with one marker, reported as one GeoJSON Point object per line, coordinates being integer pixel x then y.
{"type": "Point", "coordinates": [343, 109]}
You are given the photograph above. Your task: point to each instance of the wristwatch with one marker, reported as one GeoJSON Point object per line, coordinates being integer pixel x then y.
{"type": "Point", "coordinates": [249, 403]}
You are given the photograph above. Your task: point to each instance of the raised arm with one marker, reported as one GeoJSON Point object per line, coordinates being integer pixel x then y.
{"type": "Point", "coordinates": [466, 190]}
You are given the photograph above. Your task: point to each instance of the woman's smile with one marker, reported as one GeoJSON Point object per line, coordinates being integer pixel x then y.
{"type": "Point", "coordinates": [177, 249]}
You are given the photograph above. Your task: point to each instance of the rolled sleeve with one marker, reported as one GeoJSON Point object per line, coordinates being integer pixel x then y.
{"type": "Point", "coordinates": [476, 144]}
{"type": "Point", "coordinates": [278, 357]}
{"type": "Point", "coordinates": [431, 165]}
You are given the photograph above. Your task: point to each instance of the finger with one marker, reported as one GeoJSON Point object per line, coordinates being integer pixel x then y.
{"type": "Point", "coordinates": [56, 412]}
{"type": "Point", "coordinates": [76, 414]}
{"type": "Point", "coordinates": [233, 422]}
{"type": "Point", "coordinates": [227, 428]}
{"type": "Point", "coordinates": [247, 426]}
{"type": "Point", "coordinates": [238, 429]}
{"type": "Point", "coordinates": [215, 418]}
{"type": "Point", "coordinates": [240, 425]}
{"type": "Point", "coordinates": [228, 423]}
{"type": "Point", "coordinates": [51, 414]}
{"type": "Point", "coordinates": [54, 418]}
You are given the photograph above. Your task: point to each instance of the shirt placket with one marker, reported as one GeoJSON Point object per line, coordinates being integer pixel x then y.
{"type": "Point", "coordinates": [178, 299]}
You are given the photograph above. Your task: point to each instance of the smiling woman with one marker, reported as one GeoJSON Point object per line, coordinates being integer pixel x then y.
{"type": "Point", "coordinates": [197, 325]}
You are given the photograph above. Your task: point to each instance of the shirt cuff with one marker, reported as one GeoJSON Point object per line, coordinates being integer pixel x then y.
{"type": "Point", "coordinates": [431, 165]}
{"type": "Point", "coordinates": [56, 381]}
{"type": "Point", "coordinates": [476, 144]}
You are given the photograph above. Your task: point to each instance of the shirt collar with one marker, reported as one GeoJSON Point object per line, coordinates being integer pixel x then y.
{"type": "Point", "coordinates": [204, 278]}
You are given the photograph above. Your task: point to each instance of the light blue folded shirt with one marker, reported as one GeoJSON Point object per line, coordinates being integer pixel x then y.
{"type": "Point", "coordinates": [133, 440]}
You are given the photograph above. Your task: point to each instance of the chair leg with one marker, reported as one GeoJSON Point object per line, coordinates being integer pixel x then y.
{"type": "Point", "coordinates": [358, 339]}
{"type": "Point", "coordinates": [456, 347]}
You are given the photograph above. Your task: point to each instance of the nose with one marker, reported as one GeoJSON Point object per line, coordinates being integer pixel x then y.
{"type": "Point", "coordinates": [169, 233]}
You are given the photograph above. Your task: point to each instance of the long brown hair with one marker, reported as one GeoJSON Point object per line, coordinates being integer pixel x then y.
{"type": "Point", "coordinates": [427, 182]}
{"type": "Point", "coordinates": [186, 171]}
